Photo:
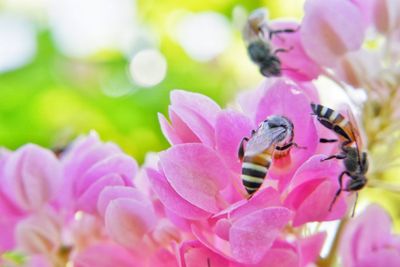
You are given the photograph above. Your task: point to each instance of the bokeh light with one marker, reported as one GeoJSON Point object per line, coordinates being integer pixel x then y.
{"type": "Point", "coordinates": [17, 42]}
{"type": "Point", "coordinates": [148, 67]}
{"type": "Point", "coordinates": [204, 35]}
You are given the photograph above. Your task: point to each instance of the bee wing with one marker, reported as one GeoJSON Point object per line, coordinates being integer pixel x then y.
{"type": "Point", "coordinates": [256, 23]}
{"type": "Point", "coordinates": [354, 128]}
{"type": "Point", "coordinates": [262, 140]}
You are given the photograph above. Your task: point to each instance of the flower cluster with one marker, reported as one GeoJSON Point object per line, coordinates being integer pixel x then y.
{"type": "Point", "coordinates": [92, 205]}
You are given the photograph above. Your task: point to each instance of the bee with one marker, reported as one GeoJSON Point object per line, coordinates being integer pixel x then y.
{"type": "Point", "coordinates": [273, 138]}
{"type": "Point", "coordinates": [355, 162]}
{"type": "Point", "coordinates": [259, 50]}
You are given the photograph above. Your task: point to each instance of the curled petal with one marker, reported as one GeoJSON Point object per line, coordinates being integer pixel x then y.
{"type": "Point", "coordinates": [196, 173]}
{"type": "Point", "coordinates": [119, 164]}
{"type": "Point", "coordinates": [169, 132]}
{"type": "Point", "coordinates": [128, 220]}
{"type": "Point", "coordinates": [170, 198]}
{"type": "Point", "coordinates": [198, 103]}
{"type": "Point", "coordinates": [32, 177]}
{"type": "Point", "coordinates": [199, 126]}
{"type": "Point", "coordinates": [113, 192]}
{"type": "Point", "coordinates": [328, 30]}
{"type": "Point", "coordinates": [88, 200]}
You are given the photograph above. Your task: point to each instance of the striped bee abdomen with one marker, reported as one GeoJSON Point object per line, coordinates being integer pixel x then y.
{"type": "Point", "coordinates": [332, 119]}
{"type": "Point", "coordinates": [254, 170]}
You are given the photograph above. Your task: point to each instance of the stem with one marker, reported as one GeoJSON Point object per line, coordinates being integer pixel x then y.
{"type": "Point", "coordinates": [330, 260]}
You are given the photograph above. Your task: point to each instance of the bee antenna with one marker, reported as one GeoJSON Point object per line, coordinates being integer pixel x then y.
{"type": "Point", "coordinates": [355, 204]}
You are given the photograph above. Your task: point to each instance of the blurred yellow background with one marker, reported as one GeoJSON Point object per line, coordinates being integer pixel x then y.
{"type": "Point", "coordinates": [69, 66]}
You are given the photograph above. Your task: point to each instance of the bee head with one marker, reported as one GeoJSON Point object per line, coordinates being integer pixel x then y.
{"type": "Point", "coordinates": [271, 67]}
{"type": "Point", "coordinates": [357, 182]}
{"type": "Point", "coordinates": [259, 51]}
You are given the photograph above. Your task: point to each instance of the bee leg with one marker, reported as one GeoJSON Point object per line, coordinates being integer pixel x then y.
{"type": "Point", "coordinates": [299, 147]}
{"type": "Point", "coordinates": [324, 140]}
{"type": "Point", "coordinates": [208, 262]}
{"type": "Point", "coordinates": [241, 148]}
{"type": "Point", "coordinates": [339, 190]}
{"type": "Point", "coordinates": [339, 156]}
{"type": "Point", "coordinates": [280, 50]}
{"type": "Point", "coordinates": [273, 32]}
{"type": "Point", "coordinates": [284, 147]}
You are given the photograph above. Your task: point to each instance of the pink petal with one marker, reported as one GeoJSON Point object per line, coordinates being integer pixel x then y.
{"type": "Point", "coordinates": [249, 100]}
{"type": "Point", "coordinates": [88, 200]}
{"type": "Point", "coordinates": [196, 173]}
{"type": "Point", "coordinates": [37, 261]}
{"type": "Point", "coordinates": [314, 168]}
{"type": "Point", "coordinates": [222, 228]}
{"type": "Point", "coordinates": [264, 198]}
{"type": "Point", "coordinates": [83, 154]}
{"type": "Point", "coordinates": [106, 255]}
{"type": "Point", "coordinates": [384, 258]}
{"type": "Point", "coordinates": [386, 15]}
{"type": "Point", "coordinates": [168, 131]}
{"type": "Point", "coordinates": [171, 200]}
{"type": "Point", "coordinates": [185, 134]}
{"type": "Point", "coordinates": [310, 90]}
{"type": "Point", "coordinates": [213, 242]}
{"type": "Point", "coordinates": [10, 216]}
{"type": "Point", "coordinates": [198, 103]}
{"type": "Point", "coordinates": [40, 233]}
{"type": "Point", "coordinates": [296, 64]}
{"type": "Point", "coordinates": [201, 256]}
{"type": "Point", "coordinates": [253, 235]}
{"type": "Point", "coordinates": [162, 258]}
{"type": "Point", "coordinates": [280, 258]}
{"type": "Point", "coordinates": [128, 220]}
{"type": "Point", "coordinates": [113, 192]}
{"type": "Point", "coordinates": [203, 130]}
{"type": "Point", "coordinates": [362, 236]}
{"type": "Point", "coordinates": [119, 164]}
{"type": "Point", "coordinates": [328, 30]}
{"type": "Point", "coordinates": [230, 128]}
{"type": "Point", "coordinates": [316, 206]}
{"type": "Point", "coordinates": [310, 248]}
{"type": "Point", "coordinates": [32, 176]}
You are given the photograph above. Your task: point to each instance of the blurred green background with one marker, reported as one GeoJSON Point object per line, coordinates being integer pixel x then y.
{"type": "Point", "coordinates": [69, 66]}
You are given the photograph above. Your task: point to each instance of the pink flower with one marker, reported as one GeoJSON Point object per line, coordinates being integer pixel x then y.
{"type": "Point", "coordinates": [31, 177]}
{"type": "Point", "coordinates": [89, 166]}
{"type": "Point", "coordinates": [296, 64]}
{"type": "Point", "coordinates": [198, 178]}
{"type": "Point", "coordinates": [330, 29]}
{"type": "Point", "coordinates": [368, 241]}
